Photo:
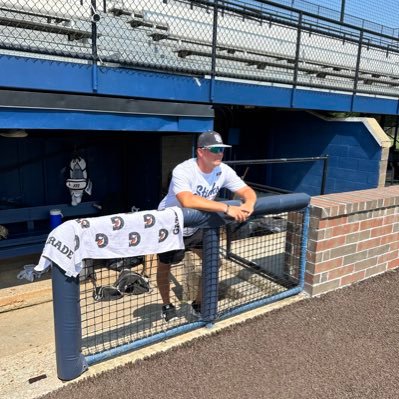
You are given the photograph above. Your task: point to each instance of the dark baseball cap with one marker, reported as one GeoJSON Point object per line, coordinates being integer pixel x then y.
{"type": "Point", "coordinates": [210, 139]}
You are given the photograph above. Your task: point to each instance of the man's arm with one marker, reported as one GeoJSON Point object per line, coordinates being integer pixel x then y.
{"type": "Point", "coordinates": [239, 213]}
{"type": "Point", "coordinates": [189, 200]}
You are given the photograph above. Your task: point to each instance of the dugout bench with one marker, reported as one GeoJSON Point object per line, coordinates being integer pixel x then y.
{"type": "Point", "coordinates": [29, 227]}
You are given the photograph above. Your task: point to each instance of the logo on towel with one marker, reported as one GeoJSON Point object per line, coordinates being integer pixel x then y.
{"type": "Point", "coordinates": [149, 220]}
{"type": "Point", "coordinates": [134, 239]}
{"type": "Point", "coordinates": [60, 246]}
{"type": "Point", "coordinates": [84, 223]}
{"type": "Point", "coordinates": [176, 229]}
{"type": "Point", "coordinates": [163, 235]}
{"type": "Point", "coordinates": [101, 240]}
{"type": "Point", "coordinates": [77, 243]}
{"type": "Point", "coordinates": [117, 223]}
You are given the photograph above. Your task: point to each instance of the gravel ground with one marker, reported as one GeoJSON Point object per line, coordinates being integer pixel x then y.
{"type": "Point", "coordinates": [341, 345]}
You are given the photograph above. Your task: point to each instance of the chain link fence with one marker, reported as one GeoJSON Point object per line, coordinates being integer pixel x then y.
{"type": "Point", "coordinates": [292, 43]}
{"type": "Point", "coordinates": [258, 259]}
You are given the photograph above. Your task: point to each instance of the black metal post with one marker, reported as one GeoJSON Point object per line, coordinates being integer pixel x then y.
{"type": "Point", "coordinates": [359, 56]}
{"type": "Point", "coordinates": [214, 44]}
{"type": "Point", "coordinates": [324, 176]}
{"type": "Point", "coordinates": [94, 20]}
{"type": "Point", "coordinates": [95, 17]}
{"type": "Point", "coordinates": [395, 137]}
{"type": "Point", "coordinates": [342, 11]}
{"type": "Point", "coordinates": [297, 55]}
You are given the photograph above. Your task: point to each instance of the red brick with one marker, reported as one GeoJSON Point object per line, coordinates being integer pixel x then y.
{"type": "Point", "coordinates": [328, 265]}
{"type": "Point", "coordinates": [390, 219]}
{"type": "Point", "coordinates": [352, 278]}
{"type": "Point", "coordinates": [389, 238]}
{"type": "Point", "coordinates": [393, 245]}
{"type": "Point", "coordinates": [345, 229]}
{"type": "Point", "coordinates": [333, 222]}
{"type": "Point", "coordinates": [330, 243]}
{"type": "Point", "coordinates": [370, 223]}
{"type": "Point", "coordinates": [342, 271]}
{"type": "Point", "coordinates": [381, 231]}
{"type": "Point", "coordinates": [393, 264]}
{"type": "Point", "coordinates": [375, 242]}
{"type": "Point", "coordinates": [312, 279]}
{"type": "Point", "coordinates": [388, 256]}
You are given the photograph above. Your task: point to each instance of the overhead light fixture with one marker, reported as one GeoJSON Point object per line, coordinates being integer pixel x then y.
{"type": "Point", "coordinates": [14, 133]}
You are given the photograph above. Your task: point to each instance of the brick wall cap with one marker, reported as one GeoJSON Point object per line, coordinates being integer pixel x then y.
{"type": "Point", "coordinates": [337, 204]}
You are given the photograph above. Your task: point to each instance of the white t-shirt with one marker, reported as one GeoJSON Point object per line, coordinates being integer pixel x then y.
{"type": "Point", "coordinates": [187, 176]}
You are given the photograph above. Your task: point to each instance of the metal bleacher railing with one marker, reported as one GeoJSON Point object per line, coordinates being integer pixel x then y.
{"type": "Point", "coordinates": [319, 174]}
{"type": "Point", "coordinates": [243, 266]}
{"type": "Point", "coordinates": [258, 40]}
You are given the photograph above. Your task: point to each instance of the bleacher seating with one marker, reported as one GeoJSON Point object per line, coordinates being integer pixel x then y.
{"type": "Point", "coordinates": [41, 21]}
{"type": "Point", "coordinates": [70, 32]}
{"type": "Point", "coordinates": [181, 33]}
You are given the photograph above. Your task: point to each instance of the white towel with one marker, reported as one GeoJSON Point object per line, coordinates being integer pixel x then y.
{"type": "Point", "coordinates": [112, 236]}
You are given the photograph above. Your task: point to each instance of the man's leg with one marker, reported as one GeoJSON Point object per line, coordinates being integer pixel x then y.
{"type": "Point", "coordinates": [163, 282]}
{"type": "Point", "coordinates": [165, 260]}
{"type": "Point", "coordinates": [198, 299]}
{"type": "Point", "coordinates": [196, 304]}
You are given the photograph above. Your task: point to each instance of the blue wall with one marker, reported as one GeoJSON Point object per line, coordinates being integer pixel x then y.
{"type": "Point", "coordinates": [353, 153]}
{"type": "Point", "coordinates": [124, 168]}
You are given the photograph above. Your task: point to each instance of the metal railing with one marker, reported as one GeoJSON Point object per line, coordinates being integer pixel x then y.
{"type": "Point", "coordinates": [261, 187]}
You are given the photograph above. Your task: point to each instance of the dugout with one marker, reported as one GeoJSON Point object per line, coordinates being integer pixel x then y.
{"type": "Point", "coordinates": [124, 143]}
{"type": "Point", "coordinates": [131, 146]}
{"type": "Point", "coordinates": [119, 139]}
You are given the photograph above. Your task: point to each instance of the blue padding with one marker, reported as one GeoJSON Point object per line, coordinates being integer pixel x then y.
{"type": "Point", "coordinates": [210, 274]}
{"type": "Point", "coordinates": [264, 206]}
{"type": "Point", "coordinates": [67, 325]}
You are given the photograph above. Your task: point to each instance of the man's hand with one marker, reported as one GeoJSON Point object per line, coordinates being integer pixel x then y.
{"type": "Point", "coordinates": [238, 213]}
{"type": "Point", "coordinates": [249, 197]}
{"type": "Point", "coordinates": [247, 208]}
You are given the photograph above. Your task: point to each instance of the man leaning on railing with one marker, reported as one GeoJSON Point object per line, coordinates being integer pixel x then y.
{"type": "Point", "coordinates": [195, 184]}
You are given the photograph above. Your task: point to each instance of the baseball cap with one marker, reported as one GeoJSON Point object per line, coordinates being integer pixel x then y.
{"type": "Point", "coordinates": [210, 139]}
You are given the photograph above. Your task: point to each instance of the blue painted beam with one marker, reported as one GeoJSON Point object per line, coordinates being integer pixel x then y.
{"type": "Point", "coordinates": [46, 75]}
{"type": "Point", "coordinates": [29, 73]}
{"type": "Point", "coordinates": [73, 120]}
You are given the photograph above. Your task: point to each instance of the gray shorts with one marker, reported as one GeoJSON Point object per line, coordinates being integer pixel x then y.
{"type": "Point", "coordinates": [176, 256]}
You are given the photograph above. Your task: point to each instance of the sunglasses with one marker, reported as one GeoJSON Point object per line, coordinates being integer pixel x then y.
{"type": "Point", "coordinates": [214, 150]}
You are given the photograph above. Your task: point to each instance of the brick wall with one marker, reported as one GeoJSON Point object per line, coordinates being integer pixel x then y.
{"type": "Point", "coordinates": [352, 236]}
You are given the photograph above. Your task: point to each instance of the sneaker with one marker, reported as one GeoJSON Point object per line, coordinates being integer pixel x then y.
{"type": "Point", "coordinates": [168, 312]}
{"type": "Point", "coordinates": [196, 309]}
